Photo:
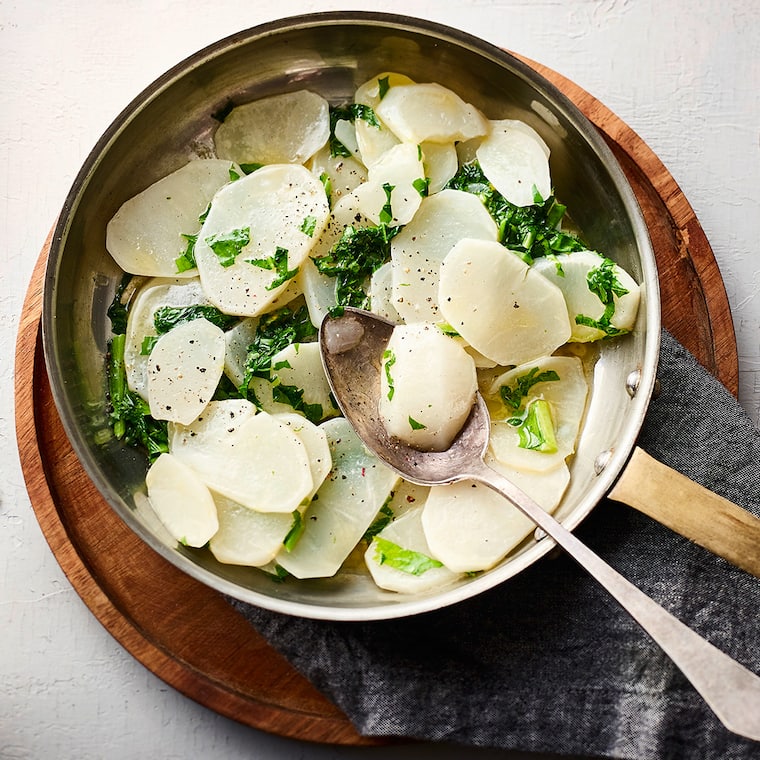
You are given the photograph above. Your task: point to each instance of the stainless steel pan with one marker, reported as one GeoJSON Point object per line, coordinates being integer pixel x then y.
{"type": "Point", "coordinates": [173, 120]}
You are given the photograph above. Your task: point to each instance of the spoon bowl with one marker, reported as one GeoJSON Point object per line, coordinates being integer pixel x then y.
{"type": "Point", "coordinates": [352, 346]}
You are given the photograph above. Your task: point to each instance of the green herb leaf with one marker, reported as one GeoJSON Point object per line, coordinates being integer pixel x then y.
{"type": "Point", "coordinates": [537, 429]}
{"type": "Point", "coordinates": [295, 532]}
{"type": "Point", "coordinates": [277, 263]}
{"type": "Point", "coordinates": [358, 253]}
{"type": "Point", "coordinates": [309, 226]}
{"type": "Point", "coordinates": [414, 425]}
{"type": "Point", "coordinates": [530, 231]}
{"type": "Point", "coordinates": [293, 395]}
{"type": "Point", "coordinates": [274, 332]}
{"type": "Point", "coordinates": [118, 311]}
{"type": "Point", "coordinates": [386, 213]}
{"type": "Point", "coordinates": [186, 260]}
{"type": "Point", "coordinates": [513, 395]}
{"type": "Point", "coordinates": [389, 359]}
{"type": "Point", "coordinates": [383, 85]}
{"type": "Point", "coordinates": [406, 560]}
{"type": "Point", "coordinates": [233, 174]}
{"type": "Point", "coordinates": [422, 186]}
{"type": "Point", "coordinates": [447, 329]}
{"type": "Point", "coordinates": [167, 317]}
{"type": "Point", "coordinates": [129, 414]}
{"type": "Point", "coordinates": [228, 246]}
{"type": "Point", "coordinates": [250, 168]}
{"type": "Point", "coordinates": [350, 112]}
{"type": "Point", "coordinates": [384, 516]}
{"type": "Point", "coordinates": [324, 178]}
{"type": "Point", "coordinates": [603, 283]}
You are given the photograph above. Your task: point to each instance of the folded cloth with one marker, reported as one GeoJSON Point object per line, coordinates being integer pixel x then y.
{"type": "Point", "coordinates": [548, 662]}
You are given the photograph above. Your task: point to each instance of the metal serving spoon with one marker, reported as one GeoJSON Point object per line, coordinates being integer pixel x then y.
{"type": "Point", "coordinates": [352, 346]}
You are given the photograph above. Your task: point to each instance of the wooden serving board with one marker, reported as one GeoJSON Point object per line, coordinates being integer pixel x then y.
{"type": "Point", "coordinates": [187, 634]}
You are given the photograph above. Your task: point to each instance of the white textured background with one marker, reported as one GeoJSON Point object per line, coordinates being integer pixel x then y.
{"type": "Point", "coordinates": [685, 76]}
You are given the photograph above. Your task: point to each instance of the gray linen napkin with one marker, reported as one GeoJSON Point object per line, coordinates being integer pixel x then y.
{"type": "Point", "coordinates": [547, 662]}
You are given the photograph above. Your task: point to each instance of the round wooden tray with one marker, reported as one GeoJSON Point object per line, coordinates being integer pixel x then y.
{"type": "Point", "coordinates": [187, 634]}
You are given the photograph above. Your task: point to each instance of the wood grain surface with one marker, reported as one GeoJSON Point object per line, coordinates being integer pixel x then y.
{"type": "Point", "coordinates": [187, 634]}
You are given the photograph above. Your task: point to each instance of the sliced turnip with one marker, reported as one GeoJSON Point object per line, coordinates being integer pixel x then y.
{"type": "Point", "coordinates": [566, 398]}
{"type": "Point", "coordinates": [345, 506]}
{"type": "Point", "coordinates": [427, 386]}
{"type": "Point", "coordinates": [516, 161]}
{"type": "Point", "coordinates": [430, 112]}
{"type": "Point", "coordinates": [247, 537]}
{"type": "Point", "coordinates": [399, 558]}
{"type": "Point", "coordinates": [261, 464]}
{"type": "Point", "coordinates": [150, 231]}
{"type": "Point", "coordinates": [417, 251]}
{"type": "Point", "coordinates": [299, 366]}
{"type": "Point", "coordinates": [256, 235]}
{"type": "Point", "coordinates": [181, 500]}
{"type": "Point", "coordinates": [372, 140]}
{"type": "Point", "coordinates": [287, 128]}
{"type": "Point", "coordinates": [184, 369]}
{"type": "Point", "coordinates": [345, 173]}
{"type": "Point", "coordinates": [314, 438]}
{"type": "Point", "coordinates": [441, 163]}
{"type": "Point", "coordinates": [469, 527]}
{"type": "Point", "coordinates": [499, 306]}
{"type": "Point", "coordinates": [575, 274]}
{"type": "Point", "coordinates": [194, 443]}
{"type": "Point", "coordinates": [381, 293]}
{"type": "Point", "coordinates": [155, 294]}
{"type": "Point", "coordinates": [392, 191]}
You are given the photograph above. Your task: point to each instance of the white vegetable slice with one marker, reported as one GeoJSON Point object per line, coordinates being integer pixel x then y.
{"type": "Point", "coordinates": [417, 251]}
{"type": "Point", "coordinates": [570, 272]}
{"type": "Point", "coordinates": [381, 293]}
{"type": "Point", "coordinates": [247, 537]}
{"type": "Point", "coordinates": [499, 306]}
{"type": "Point", "coordinates": [153, 295]}
{"type": "Point", "coordinates": [469, 527]}
{"type": "Point", "coordinates": [373, 141]}
{"type": "Point", "coordinates": [184, 369]}
{"type": "Point", "coordinates": [430, 112]}
{"type": "Point", "coordinates": [427, 386]}
{"type": "Point", "coordinates": [287, 128]}
{"type": "Point", "coordinates": [419, 577]}
{"type": "Point", "coordinates": [441, 163]}
{"type": "Point", "coordinates": [345, 173]}
{"type": "Point", "coordinates": [398, 168]}
{"type": "Point", "coordinates": [276, 207]}
{"type": "Point", "coordinates": [181, 501]}
{"type": "Point", "coordinates": [261, 463]}
{"type": "Point", "coordinates": [147, 234]}
{"type": "Point", "coordinates": [516, 160]}
{"type": "Point", "coordinates": [566, 398]}
{"type": "Point", "coordinates": [299, 365]}
{"type": "Point", "coordinates": [345, 506]}
{"type": "Point", "coordinates": [545, 488]}
{"type": "Point", "coordinates": [193, 443]}
{"type": "Point", "coordinates": [317, 446]}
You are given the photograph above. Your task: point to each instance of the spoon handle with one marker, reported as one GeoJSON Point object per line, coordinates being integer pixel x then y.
{"type": "Point", "coordinates": [731, 690]}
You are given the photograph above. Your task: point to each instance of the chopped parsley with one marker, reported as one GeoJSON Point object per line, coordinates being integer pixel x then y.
{"type": "Point", "coordinates": [531, 231]}
{"type": "Point", "coordinates": [351, 261]}
{"type": "Point", "coordinates": [293, 395]}
{"type": "Point", "coordinates": [167, 317]}
{"type": "Point", "coordinates": [603, 282]}
{"type": "Point", "coordinates": [513, 395]}
{"type": "Point", "coordinates": [406, 560]}
{"type": "Point", "coordinates": [233, 174]}
{"type": "Point", "coordinates": [350, 112]}
{"type": "Point", "coordinates": [129, 414]}
{"type": "Point", "coordinates": [386, 212]}
{"type": "Point", "coordinates": [414, 425]}
{"type": "Point", "coordinates": [536, 428]}
{"type": "Point", "coordinates": [186, 260]}
{"type": "Point", "coordinates": [228, 245]}
{"type": "Point", "coordinates": [296, 529]}
{"type": "Point", "coordinates": [309, 226]}
{"type": "Point", "coordinates": [422, 186]}
{"type": "Point", "coordinates": [383, 85]}
{"type": "Point", "coordinates": [389, 359]}
{"type": "Point", "coordinates": [274, 332]}
{"type": "Point", "coordinates": [278, 263]}
{"type": "Point", "coordinates": [384, 516]}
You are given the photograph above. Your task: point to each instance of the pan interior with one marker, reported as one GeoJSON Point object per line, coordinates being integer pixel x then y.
{"type": "Point", "coordinates": [174, 120]}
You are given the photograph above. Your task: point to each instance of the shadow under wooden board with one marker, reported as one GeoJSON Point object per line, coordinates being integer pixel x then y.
{"type": "Point", "coordinates": [187, 634]}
